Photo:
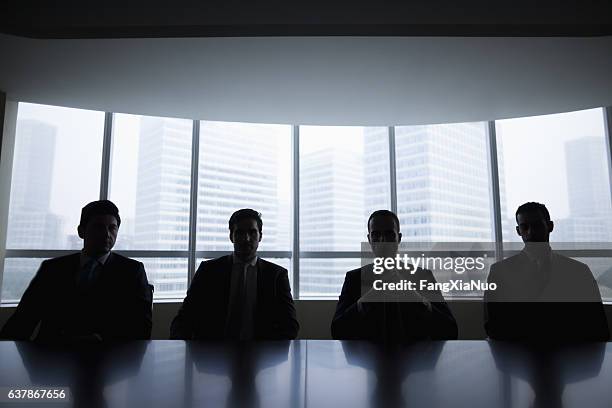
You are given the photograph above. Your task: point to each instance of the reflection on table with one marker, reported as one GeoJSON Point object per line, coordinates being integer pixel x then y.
{"type": "Point", "coordinates": [314, 373]}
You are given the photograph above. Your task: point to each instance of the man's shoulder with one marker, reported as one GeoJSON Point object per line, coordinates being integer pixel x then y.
{"type": "Point", "coordinates": [521, 258]}
{"type": "Point", "coordinates": [569, 268]}
{"type": "Point", "coordinates": [356, 273]}
{"type": "Point", "coordinates": [62, 260]}
{"type": "Point", "coordinates": [567, 261]}
{"type": "Point", "coordinates": [222, 262]}
{"type": "Point", "coordinates": [124, 261]}
{"type": "Point", "coordinates": [270, 267]}
{"type": "Point", "coordinates": [510, 262]}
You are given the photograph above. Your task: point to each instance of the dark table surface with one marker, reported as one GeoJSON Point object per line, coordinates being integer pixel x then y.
{"type": "Point", "coordinates": [313, 373]}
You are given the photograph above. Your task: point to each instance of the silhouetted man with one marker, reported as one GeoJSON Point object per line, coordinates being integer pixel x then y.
{"type": "Point", "coordinates": [94, 295]}
{"type": "Point", "coordinates": [238, 296]}
{"type": "Point", "coordinates": [423, 316]}
{"type": "Point", "coordinates": [540, 294]}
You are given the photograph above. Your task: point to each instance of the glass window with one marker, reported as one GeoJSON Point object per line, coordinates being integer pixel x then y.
{"type": "Point", "coordinates": [558, 160]}
{"type": "Point", "coordinates": [56, 171]}
{"type": "Point", "coordinates": [150, 181]}
{"type": "Point", "coordinates": [322, 277]}
{"type": "Point", "coordinates": [168, 276]}
{"type": "Point", "coordinates": [344, 176]}
{"type": "Point", "coordinates": [18, 272]}
{"type": "Point", "coordinates": [244, 165]}
{"type": "Point", "coordinates": [443, 183]}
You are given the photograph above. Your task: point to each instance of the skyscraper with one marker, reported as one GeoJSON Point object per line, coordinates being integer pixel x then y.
{"type": "Point", "coordinates": [590, 218]}
{"type": "Point", "coordinates": [443, 183]}
{"type": "Point", "coordinates": [162, 200]}
{"type": "Point", "coordinates": [331, 215]}
{"type": "Point", "coordinates": [239, 168]}
{"type": "Point", "coordinates": [31, 225]}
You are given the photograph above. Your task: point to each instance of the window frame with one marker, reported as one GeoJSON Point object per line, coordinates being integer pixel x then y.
{"type": "Point", "coordinates": [294, 254]}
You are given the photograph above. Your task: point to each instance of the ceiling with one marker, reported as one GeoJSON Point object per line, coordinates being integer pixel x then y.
{"type": "Point", "coordinates": [213, 18]}
{"type": "Point", "coordinates": [341, 65]}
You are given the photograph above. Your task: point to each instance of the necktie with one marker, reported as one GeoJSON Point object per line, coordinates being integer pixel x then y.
{"type": "Point", "coordinates": [234, 321]}
{"type": "Point", "coordinates": [86, 275]}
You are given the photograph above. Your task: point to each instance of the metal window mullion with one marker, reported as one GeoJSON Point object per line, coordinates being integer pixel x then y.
{"type": "Point", "coordinates": [9, 130]}
{"type": "Point", "coordinates": [491, 136]}
{"type": "Point", "coordinates": [193, 200]}
{"type": "Point", "coordinates": [392, 169]}
{"type": "Point", "coordinates": [132, 253]}
{"type": "Point", "coordinates": [107, 146]}
{"type": "Point", "coordinates": [607, 112]}
{"type": "Point", "coordinates": [295, 170]}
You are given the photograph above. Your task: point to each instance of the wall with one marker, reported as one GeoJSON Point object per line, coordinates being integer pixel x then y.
{"type": "Point", "coordinates": [2, 104]}
{"type": "Point", "coordinates": [365, 81]}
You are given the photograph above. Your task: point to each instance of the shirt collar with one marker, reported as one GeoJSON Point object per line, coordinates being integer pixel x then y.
{"type": "Point", "coordinates": [540, 252]}
{"type": "Point", "coordinates": [101, 259]}
{"type": "Point", "coordinates": [235, 260]}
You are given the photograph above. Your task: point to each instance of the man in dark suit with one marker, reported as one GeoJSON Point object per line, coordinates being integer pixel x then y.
{"type": "Point", "coordinates": [424, 316]}
{"type": "Point", "coordinates": [95, 295]}
{"type": "Point", "coordinates": [540, 294]}
{"type": "Point", "coordinates": [238, 296]}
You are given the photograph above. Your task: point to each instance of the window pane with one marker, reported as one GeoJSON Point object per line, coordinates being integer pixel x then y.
{"type": "Point", "coordinates": [18, 272]}
{"type": "Point", "coordinates": [168, 276]}
{"type": "Point", "coordinates": [244, 166]}
{"type": "Point", "coordinates": [56, 171]}
{"type": "Point", "coordinates": [344, 176]}
{"type": "Point", "coordinates": [324, 277]}
{"type": "Point", "coordinates": [150, 181]}
{"type": "Point", "coordinates": [560, 161]}
{"type": "Point", "coordinates": [443, 183]}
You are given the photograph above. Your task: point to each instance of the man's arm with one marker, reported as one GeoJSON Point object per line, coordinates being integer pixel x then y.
{"type": "Point", "coordinates": [138, 319]}
{"type": "Point", "coordinates": [286, 326]}
{"type": "Point", "coordinates": [442, 324]}
{"type": "Point", "coordinates": [29, 312]}
{"type": "Point", "coordinates": [495, 325]}
{"type": "Point", "coordinates": [594, 315]}
{"type": "Point", "coordinates": [184, 324]}
{"type": "Point", "coordinates": [352, 321]}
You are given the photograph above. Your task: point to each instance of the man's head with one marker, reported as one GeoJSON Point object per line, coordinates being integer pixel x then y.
{"type": "Point", "coordinates": [533, 222]}
{"type": "Point", "coordinates": [384, 233]}
{"type": "Point", "coordinates": [245, 233]}
{"type": "Point", "coordinates": [99, 226]}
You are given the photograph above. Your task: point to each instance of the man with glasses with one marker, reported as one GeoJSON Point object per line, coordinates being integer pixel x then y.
{"type": "Point", "coordinates": [419, 316]}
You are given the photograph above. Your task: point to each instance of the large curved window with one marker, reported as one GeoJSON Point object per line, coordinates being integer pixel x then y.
{"type": "Point", "coordinates": [559, 160]}
{"type": "Point", "coordinates": [314, 185]}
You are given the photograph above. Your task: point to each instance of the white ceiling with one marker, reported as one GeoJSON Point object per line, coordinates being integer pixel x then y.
{"type": "Point", "coordinates": [313, 80]}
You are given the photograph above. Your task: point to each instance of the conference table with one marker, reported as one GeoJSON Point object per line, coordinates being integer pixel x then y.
{"type": "Point", "coordinates": [306, 373]}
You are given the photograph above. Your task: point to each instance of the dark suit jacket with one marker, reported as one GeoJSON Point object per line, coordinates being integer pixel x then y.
{"type": "Point", "coordinates": [118, 307]}
{"type": "Point", "coordinates": [204, 310]}
{"type": "Point", "coordinates": [419, 323]}
{"type": "Point", "coordinates": [566, 307]}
